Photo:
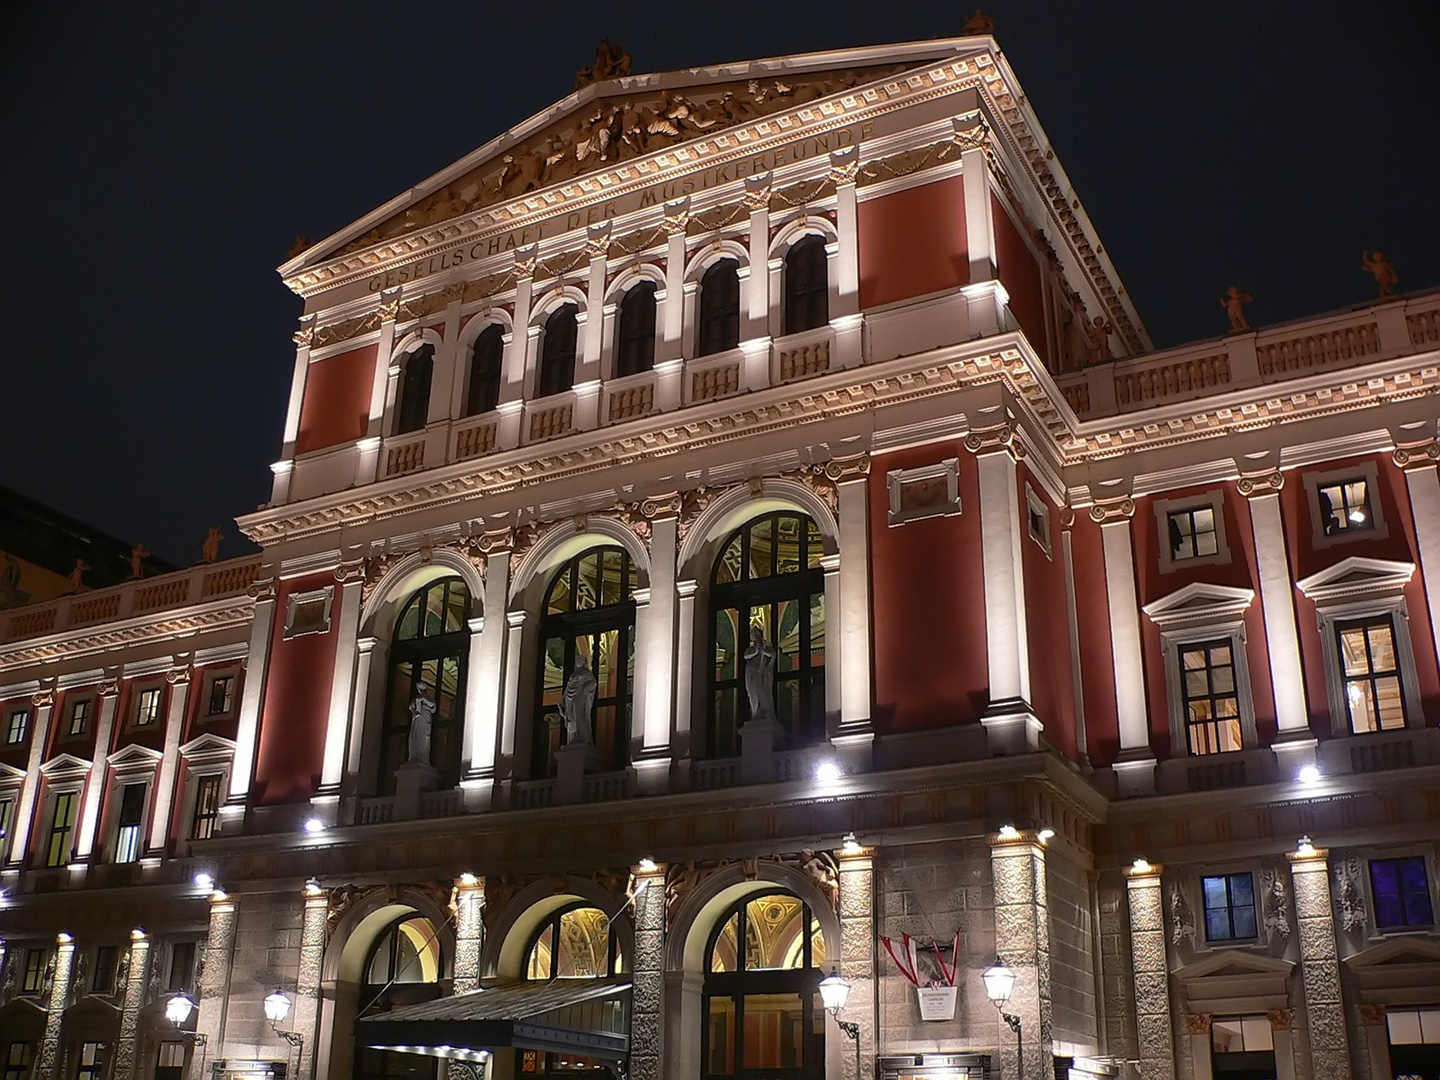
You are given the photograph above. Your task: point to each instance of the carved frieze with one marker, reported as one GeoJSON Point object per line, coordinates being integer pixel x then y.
{"type": "Point", "coordinates": [1198, 1023]}
{"type": "Point", "coordinates": [1180, 914]}
{"type": "Point", "coordinates": [908, 161]}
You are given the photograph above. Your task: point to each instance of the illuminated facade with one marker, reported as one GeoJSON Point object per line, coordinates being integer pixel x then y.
{"type": "Point", "coordinates": [731, 522]}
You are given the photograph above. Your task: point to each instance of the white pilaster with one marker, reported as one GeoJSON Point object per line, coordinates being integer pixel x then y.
{"type": "Point", "coordinates": [21, 824]}
{"type": "Point", "coordinates": [1136, 763]}
{"type": "Point", "coordinates": [1072, 615]}
{"type": "Point", "coordinates": [1423, 483]}
{"type": "Point", "coordinates": [660, 631]}
{"type": "Point", "coordinates": [94, 795]}
{"type": "Point", "coordinates": [852, 619]}
{"type": "Point", "coordinates": [685, 662]}
{"type": "Point", "coordinates": [168, 775]}
{"type": "Point", "coordinates": [252, 698]}
{"type": "Point", "coordinates": [487, 674]}
{"type": "Point", "coordinates": [515, 638]}
{"type": "Point", "coordinates": [834, 688]}
{"type": "Point", "coordinates": [283, 469]}
{"type": "Point", "coordinates": [350, 577]}
{"type": "Point", "coordinates": [1006, 634]}
{"type": "Point", "coordinates": [755, 310]}
{"type": "Point", "coordinates": [979, 228]}
{"type": "Point", "coordinates": [364, 656]}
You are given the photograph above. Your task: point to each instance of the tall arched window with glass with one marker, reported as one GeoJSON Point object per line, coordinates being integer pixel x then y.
{"type": "Point", "coordinates": [402, 968]}
{"type": "Point", "coordinates": [427, 682]}
{"type": "Point", "coordinates": [763, 1015]}
{"type": "Point", "coordinates": [413, 406]}
{"type": "Point", "coordinates": [557, 351]}
{"type": "Point", "coordinates": [807, 285]}
{"type": "Point", "coordinates": [768, 577]}
{"type": "Point", "coordinates": [589, 612]}
{"type": "Point", "coordinates": [635, 333]}
{"type": "Point", "coordinates": [576, 942]}
{"type": "Point", "coordinates": [482, 391]}
{"type": "Point", "coordinates": [718, 321]}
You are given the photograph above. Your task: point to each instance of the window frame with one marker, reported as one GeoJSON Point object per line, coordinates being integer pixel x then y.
{"type": "Point", "coordinates": [28, 967]}
{"type": "Point", "coordinates": [172, 954]}
{"type": "Point", "coordinates": [1366, 623]}
{"type": "Point", "coordinates": [198, 784]}
{"type": "Point", "coordinates": [709, 339]}
{"type": "Point", "coordinates": [630, 337]}
{"type": "Point", "coordinates": [1427, 865]}
{"type": "Point", "coordinates": [22, 713]}
{"type": "Point", "coordinates": [803, 284]}
{"type": "Point", "coordinates": [615, 963]}
{"type": "Point", "coordinates": [1214, 499]}
{"type": "Point", "coordinates": [1312, 482]}
{"type": "Point", "coordinates": [18, 1070]}
{"type": "Point", "coordinates": [211, 680]}
{"type": "Point", "coordinates": [481, 384]}
{"type": "Point", "coordinates": [1256, 913]}
{"type": "Point", "coordinates": [555, 371]}
{"type": "Point", "coordinates": [122, 785]}
{"type": "Point", "coordinates": [139, 694]}
{"type": "Point", "coordinates": [1036, 505]}
{"type": "Point", "coordinates": [300, 602]}
{"type": "Point", "coordinates": [72, 706]}
{"type": "Point", "coordinates": [112, 968]}
{"type": "Point", "coordinates": [412, 401]}
{"type": "Point", "coordinates": [46, 851]}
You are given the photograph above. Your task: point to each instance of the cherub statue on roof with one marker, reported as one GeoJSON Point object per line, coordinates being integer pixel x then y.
{"type": "Point", "coordinates": [611, 62]}
{"type": "Point", "coordinates": [1098, 330]}
{"type": "Point", "coordinates": [1379, 267]}
{"type": "Point", "coordinates": [1234, 302]}
{"type": "Point", "coordinates": [979, 24]}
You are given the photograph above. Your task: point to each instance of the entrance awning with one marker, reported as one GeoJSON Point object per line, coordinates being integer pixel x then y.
{"type": "Point", "coordinates": [590, 1017]}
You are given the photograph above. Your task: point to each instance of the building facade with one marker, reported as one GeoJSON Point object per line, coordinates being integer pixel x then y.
{"type": "Point", "coordinates": [734, 528]}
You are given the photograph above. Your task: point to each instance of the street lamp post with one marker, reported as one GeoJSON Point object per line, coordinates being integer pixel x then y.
{"type": "Point", "coordinates": [277, 1008]}
{"type": "Point", "coordinates": [999, 982]}
{"type": "Point", "coordinates": [834, 992]}
{"type": "Point", "coordinates": [177, 1011]}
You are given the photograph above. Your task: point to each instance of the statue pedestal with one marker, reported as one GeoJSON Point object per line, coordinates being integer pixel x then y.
{"type": "Point", "coordinates": [572, 762]}
{"type": "Point", "coordinates": [757, 751]}
{"type": "Point", "coordinates": [413, 779]}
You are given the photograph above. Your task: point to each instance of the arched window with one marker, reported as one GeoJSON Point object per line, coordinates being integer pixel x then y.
{"type": "Point", "coordinates": [414, 404]}
{"type": "Point", "coordinates": [589, 612]}
{"type": "Point", "coordinates": [635, 335]}
{"type": "Point", "coordinates": [763, 1016]}
{"type": "Point", "coordinates": [482, 392]}
{"type": "Point", "coordinates": [557, 351]}
{"type": "Point", "coordinates": [427, 673]}
{"type": "Point", "coordinates": [719, 320]}
{"type": "Point", "coordinates": [807, 290]}
{"type": "Point", "coordinates": [402, 968]}
{"type": "Point", "coordinates": [768, 577]}
{"type": "Point", "coordinates": [574, 943]}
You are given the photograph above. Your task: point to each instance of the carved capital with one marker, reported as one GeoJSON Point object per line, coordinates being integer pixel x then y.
{"type": "Point", "coordinates": [970, 131]}
{"type": "Point", "coordinates": [757, 192]}
{"type": "Point", "coordinates": [844, 166]}
{"type": "Point", "coordinates": [597, 240]}
{"type": "Point", "coordinates": [992, 439]}
{"type": "Point", "coordinates": [43, 699]}
{"type": "Point", "coordinates": [262, 588]}
{"type": "Point", "coordinates": [1417, 455]}
{"type": "Point", "coordinates": [1263, 484]}
{"type": "Point", "coordinates": [306, 334]}
{"type": "Point", "coordinates": [1281, 1019]}
{"type": "Point", "coordinates": [108, 687]}
{"type": "Point", "coordinates": [525, 261]}
{"type": "Point", "coordinates": [1114, 510]}
{"type": "Point", "coordinates": [178, 676]}
{"type": "Point", "coordinates": [471, 549]}
{"type": "Point", "coordinates": [1370, 1015]}
{"type": "Point", "coordinates": [389, 306]}
{"type": "Point", "coordinates": [1198, 1023]}
{"type": "Point", "coordinates": [352, 570]}
{"type": "Point", "coordinates": [668, 505]}
{"type": "Point", "coordinates": [813, 477]}
{"type": "Point", "coordinates": [844, 470]}
{"type": "Point", "coordinates": [1067, 517]}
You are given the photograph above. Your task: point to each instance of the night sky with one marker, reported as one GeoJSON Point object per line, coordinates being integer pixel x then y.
{"type": "Point", "coordinates": [158, 161]}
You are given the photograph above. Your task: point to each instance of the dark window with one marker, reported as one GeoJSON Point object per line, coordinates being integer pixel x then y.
{"type": "Point", "coordinates": [1345, 507]}
{"type": "Point", "coordinates": [62, 826]}
{"type": "Point", "coordinates": [132, 813]}
{"type": "Point", "coordinates": [105, 960]}
{"type": "Point", "coordinates": [482, 393]}
{"type": "Point", "coordinates": [427, 663]}
{"type": "Point", "coordinates": [18, 727]}
{"type": "Point", "coordinates": [32, 980]}
{"type": "Point", "coordinates": [557, 351]}
{"type": "Point", "coordinates": [589, 613]}
{"type": "Point", "coordinates": [1192, 533]}
{"type": "Point", "coordinates": [147, 705]}
{"type": "Point", "coordinates": [17, 1061]}
{"type": "Point", "coordinates": [635, 335]}
{"type": "Point", "coordinates": [182, 968]}
{"type": "Point", "coordinates": [7, 811]}
{"type": "Point", "coordinates": [222, 695]}
{"type": "Point", "coordinates": [1402, 892]}
{"type": "Point", "coordinates": [719, 320]}
{"type": "Point", "coordinates": [170, 1064]}
{"type": "Point", "coordinates": [79, 717]}
{"type": "Point", "coordinates": [1210, 698]}
{"type": "Point", "coordinates": [413, 407]}
{"type": "Point", "coordinates": [1370, 671]}
{"type": "Point", "coordinates": [807, 290]}
{"type": "Point", "coordinates": [91, 1065]}
{"type": "Point", "coordinates": [207, 807]}
{"type": "Point", "coordinates": [767, 579]}
{"type": "Point", "coordinates": [1242, 1048]}
{"type": "Point", "coordinates": [1229, 907]}
{"type": "Point", "coordinates": [574, 943]}
{"type": "Point", "coordinates": [761, 1009]}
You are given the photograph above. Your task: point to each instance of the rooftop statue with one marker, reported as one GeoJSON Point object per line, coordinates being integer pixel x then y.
{"type": "Point", "coordinates": [1234, 302]}
{"type": "Point", "coordinates": [138, 554]}
{"type": "Point", "coordinates": [210, 549]}
{"type": "Point", "coordinates": [1375, 264]}
{"type": "Point", "coordinates": [77, 575]}
{"type": "Point", "coordinates": [978, 24]}
{"type": "Point", "coordinates": [611, 62]}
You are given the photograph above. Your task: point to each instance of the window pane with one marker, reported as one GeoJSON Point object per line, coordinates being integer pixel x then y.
{"type": "Point", "coordinates": [1404, 1025]}
{"type": "Point", "coordinates": [721, 1028]}
{"type": "Point", "coordinates": [774, 1036]}
{"type": "Point", "coordinates": [584, 944]}
{"type": "Point", "coordinates": [762, 548]}
{"type": "Point", "coordinates": [724, 956]}
{"type": "Point", "coordinates": [774, 932]}
{"type": "Point", "coordinates": [538, 967]}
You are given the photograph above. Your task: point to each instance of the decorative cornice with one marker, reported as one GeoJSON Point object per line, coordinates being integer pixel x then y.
{"type": "Point", "coordinates": [1116, 510]}
{"type": "Point", "coordinates": [1268, 483]}
{"type": "Point", "coordinates": [232, 612]}
{"type": "Point", "coordinates": [1417, 455]}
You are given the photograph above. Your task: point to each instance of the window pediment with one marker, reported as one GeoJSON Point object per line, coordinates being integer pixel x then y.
{"type": "Point", "coordinates": [9, 774]}
{"type": "Point", "coordinates": [1197, 603]}
{"type": "Point", "coordinates": [1399, 971]}
{"type": "Point", "coordinates": [63, 766]}
{"type": "Point", "coordinates": [1235, 981]}
{"type": "Point", "coordinates": [134, 758]}
{"type": "Point", "coordinates": [1356, 576]}
{"type": "Point", "coordinates": [208, 749]}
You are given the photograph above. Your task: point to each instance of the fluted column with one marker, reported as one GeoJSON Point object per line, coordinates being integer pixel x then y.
{"type": "Point", "coordinates": [647, 1008]}
{"type": "Point", "coordinates": [23, 821]}
{"type": "Point", "coordinates": [1319, 961]}
{"type": "Point", "coordinates": [1135, 766]}
{"type": "Point", "coordinates": [94, 794]}
{"type": "Point", "coordinates": [49, 1063]}
{"type": "Point", "coordinates": [168, 774]}
{"type": "Point", "coordinates": [857, 943]}
{"type": "Point", "coordinates": [214, 990]}
{"type": "Point", "coordinates": [126, 1061]}
{"type": "Point", "coordinates": [1153, 1026]}
{"type": "Point", "coordinates": [1022, 934]}
{"type": "Point", "coordinates": [1423, 484]}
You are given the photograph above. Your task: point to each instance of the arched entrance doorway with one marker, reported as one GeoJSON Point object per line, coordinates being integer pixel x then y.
{"type": "Point", "coordinates": [402, 968]}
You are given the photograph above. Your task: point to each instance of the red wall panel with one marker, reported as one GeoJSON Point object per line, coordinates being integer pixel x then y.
{"type": "Point", "coordinates": [297, 702]}
{"type": "Point", "coordinates": [913, 243]}
{"type": "Point", "coordinates": [1020, 274]}
{"type": "Point", "coordinates": [927, 588]}
{"type": "Point", "coordinates": [1097, 658]}
{"type": "Point", "coordinates": [336, 405]}
{"type": "Point", "coordinates": [1047, 627]}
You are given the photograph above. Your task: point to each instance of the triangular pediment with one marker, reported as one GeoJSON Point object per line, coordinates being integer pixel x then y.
{"type": "Point", "coordinates": [134, 756]}
{"type": "Point", "coordinates": [1399, 971]}
{"type": "Point", "coordinates": [1199, 602]}
{"type": "Point", "coordinates": [61, 764]}
{"type": "Point", "coordinates": [1356, 576]}
{"type": "Point", "coordinates": [207, 747]}
{"type": "Point", "coordinates": [1233, 980]}
{"type": "Point", "coordinates": [9, 774]}
{"type": "Point", "coordinates": [632, 118]}
{"type": "Point", "coordinates": [1228, 963]}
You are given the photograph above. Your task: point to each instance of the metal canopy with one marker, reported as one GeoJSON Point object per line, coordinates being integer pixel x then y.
{"type": "Point", "coordinates": [561, 1015]}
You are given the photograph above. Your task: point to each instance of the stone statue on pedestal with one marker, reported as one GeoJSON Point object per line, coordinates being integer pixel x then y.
{"type": "Point", "coordinates": [422, 718]}
{"type": "Point", "coordinates": [760, 676]}
{"type": "Point", "coordinates": [579, 701]}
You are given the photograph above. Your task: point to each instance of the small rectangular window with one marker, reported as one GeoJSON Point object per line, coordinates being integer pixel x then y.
{"type": "Point", "coordinates": [32, 979]}
{"type": "Point", "coordinates": [132, 814]}
{"type": "Point", "coordinates": [147, 705]}
{"type": "Point", "coordinates": [1192, 532]}
{"type": "Point", "coordinates": [17, 727]}
{"type": "Point", "coordinates": [79, 717]}
{"type": "Point", "coordinates": [1229, 907]}
{"type": "Point", "coordinates": [207, 808]}
{"type": "Point", "coordinates": [222, 695]}
{"type": "Point", "coordinates": [62, 827]}
{"type": "Point", "coordinates": [1345, 506]}
{"type": "Point", "coordinates": [1210, 698]}
{"type": "Point", "coordinates": [182, 967]}
{"type": "Point", "coordinates": [170, 1064]}
{"type": "Point", "coordinates": [105, 960]}
{"type": "Point", "coordinates": [92, 1065]}
{"type": "Point", "coordinates": [17, 1061]}
{"type": "Point", "coordinates": [1413, 1027]}
{"type": "Point", "coordinates": [1370, 669]}
{"type": "Point", "coordinates": [1241, 1034]}
{"type": "Point", "coordinates": [1401, 890]}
